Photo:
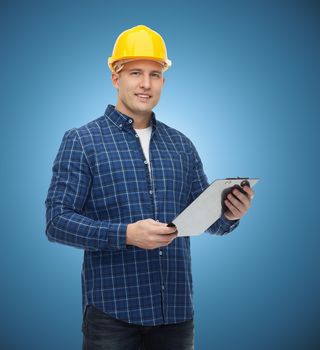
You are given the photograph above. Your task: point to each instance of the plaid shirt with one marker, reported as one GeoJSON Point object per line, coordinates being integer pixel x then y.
{"type": "Point", "coordinates": [101, 183]}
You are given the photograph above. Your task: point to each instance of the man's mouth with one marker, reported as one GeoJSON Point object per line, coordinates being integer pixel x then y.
{"type": "Point", "coordinates": [143, 96]}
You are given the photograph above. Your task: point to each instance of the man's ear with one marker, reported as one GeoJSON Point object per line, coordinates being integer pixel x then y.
{"type": "Point", "coordinates": [115, 80]}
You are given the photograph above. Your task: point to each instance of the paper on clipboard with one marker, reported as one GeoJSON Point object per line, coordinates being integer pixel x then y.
{"type": "Point", "coordinates": [207, 208]}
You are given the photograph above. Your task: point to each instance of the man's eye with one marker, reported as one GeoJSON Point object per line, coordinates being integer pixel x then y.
{"type": "Point", "coordinates": [135, 73]}
{"type": "Point", "coordinates": [155, 75]}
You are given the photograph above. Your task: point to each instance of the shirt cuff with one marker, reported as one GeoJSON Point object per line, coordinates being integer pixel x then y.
{"type": "Point", "coordinates": [229, 224]}
{"type": "Point", "coordinates": [116, 236]}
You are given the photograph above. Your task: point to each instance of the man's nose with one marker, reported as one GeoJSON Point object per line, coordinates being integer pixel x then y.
{"type": "Point", "coordinates": [145, 81]}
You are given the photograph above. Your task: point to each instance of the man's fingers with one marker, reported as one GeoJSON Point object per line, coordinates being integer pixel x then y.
{"type": "Point", "coordinates": [249, 191]}
{"type": "Point", "coordinates": [236, 202]}
{"type": "Point", "coordinates": [232, 208]}
{"type": "Point", "coordinates": [165, 229]}
{"type": "Point", "coordinates": [160, 227]}
{"type": "Point", "coordinates": [156, 222]}
{"type": "Point", "coordinates": [242, 197]}
{"type": "Point", "coordinates": [162, 240]}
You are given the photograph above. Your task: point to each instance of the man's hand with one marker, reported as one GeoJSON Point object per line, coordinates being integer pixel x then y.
{"type": "Point", "coordinates": [238, 203]}
{"type": "Point", "coordinates": [150, 234]}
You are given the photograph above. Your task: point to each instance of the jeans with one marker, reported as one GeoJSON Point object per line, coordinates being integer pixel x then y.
{"type": "Point", "coordinates": [101, 331]}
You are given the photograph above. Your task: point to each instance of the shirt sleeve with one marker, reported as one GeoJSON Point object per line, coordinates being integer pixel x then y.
{"type": "Point", "coordinates": [199, 183]}
{"type": "Point", "coordinates": [67, 195]}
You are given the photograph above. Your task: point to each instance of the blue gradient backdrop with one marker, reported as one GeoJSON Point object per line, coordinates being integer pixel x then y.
{"type": "Point", "coordinates": [244, 86]}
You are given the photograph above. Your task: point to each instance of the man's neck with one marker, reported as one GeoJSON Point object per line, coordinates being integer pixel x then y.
{"type": "Point", "coordinates": [141, 122]}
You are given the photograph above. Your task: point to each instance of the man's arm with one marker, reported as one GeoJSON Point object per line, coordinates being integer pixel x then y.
{"type": "Point", "coordinates": [199, 184]}
{"type": "Point", "coordinates": [67, 195]}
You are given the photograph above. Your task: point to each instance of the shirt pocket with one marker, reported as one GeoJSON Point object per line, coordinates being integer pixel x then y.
{"type": "Point", "coordinates": [183, 164]}
{"type": "Point", "coordinates": [181, 173]}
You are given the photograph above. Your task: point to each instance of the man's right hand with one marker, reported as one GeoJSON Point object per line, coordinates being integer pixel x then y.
{"type": "Point", "coordinates": [150, 234]}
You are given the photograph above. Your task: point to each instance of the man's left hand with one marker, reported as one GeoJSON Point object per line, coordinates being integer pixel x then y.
{"type": "Point", "coordinates": [238, 203]}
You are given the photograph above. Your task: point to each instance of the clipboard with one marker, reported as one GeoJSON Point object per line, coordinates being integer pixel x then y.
{"type": "Point", "coordinates": [208, 207]}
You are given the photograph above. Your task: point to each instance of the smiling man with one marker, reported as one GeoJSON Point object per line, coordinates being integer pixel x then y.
{"type": "Point", "coordinates": [139, 86]}
{"type": "Point", "coordinates": [117, 181]}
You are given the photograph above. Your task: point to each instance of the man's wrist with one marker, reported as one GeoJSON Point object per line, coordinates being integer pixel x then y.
{"type": "Point", "coordinates": [129, 234]}
{"type": "Point", "coordinates": [229, 221]}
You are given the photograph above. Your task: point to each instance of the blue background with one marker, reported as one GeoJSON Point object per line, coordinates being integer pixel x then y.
{"type": "Point", "coordinates": [244, 86]}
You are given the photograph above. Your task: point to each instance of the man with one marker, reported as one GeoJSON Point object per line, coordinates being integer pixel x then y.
{"type": "Point", "coordinates": [117, 181]}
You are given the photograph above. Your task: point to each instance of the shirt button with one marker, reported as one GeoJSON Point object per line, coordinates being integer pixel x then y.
{"type": "Point", "coordinates": [145, 162]}
{"type": "Point", "coordinates": [137, 135]}
{"type": "Point", "coordinates": [150, 192]}
{"type": "Point", "coordinates": [160, 253]}
{"type": "Point", "coordinates": [120, 125]}
{"type": "Point", "coordinates": [130, 121]}
{"type": "Point", "coordinates": [162, 287]}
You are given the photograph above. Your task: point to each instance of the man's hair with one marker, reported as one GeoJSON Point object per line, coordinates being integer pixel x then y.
{"type": "Point", "coordinates": [117, 67]}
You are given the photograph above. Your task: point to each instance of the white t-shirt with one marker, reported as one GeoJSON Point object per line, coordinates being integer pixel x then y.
{"type": "Point", "coordinates": [144, 136]}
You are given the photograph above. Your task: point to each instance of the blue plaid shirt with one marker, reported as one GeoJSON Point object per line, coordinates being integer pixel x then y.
{"type": "Point", "coordinates": [100, 184]}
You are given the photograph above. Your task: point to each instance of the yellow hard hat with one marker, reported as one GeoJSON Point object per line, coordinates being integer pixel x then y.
{"type": "Point", "coordinates": [139, 42]}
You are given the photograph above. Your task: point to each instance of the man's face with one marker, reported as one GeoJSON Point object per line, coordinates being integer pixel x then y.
{"type": "Point", "coordinates": [139, 85]}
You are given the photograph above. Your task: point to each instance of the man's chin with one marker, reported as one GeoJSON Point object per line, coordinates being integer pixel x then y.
{"type": "Point", "coordinates": [144, 110]}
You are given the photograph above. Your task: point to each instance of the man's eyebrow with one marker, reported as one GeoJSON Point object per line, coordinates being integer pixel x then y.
{"type": "Point", "coordinates": [140, 70]}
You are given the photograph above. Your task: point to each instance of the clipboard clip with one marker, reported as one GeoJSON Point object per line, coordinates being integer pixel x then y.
{"type": "Point", "coordinates": [243, 183]}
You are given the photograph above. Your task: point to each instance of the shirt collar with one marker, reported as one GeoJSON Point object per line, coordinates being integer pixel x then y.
{"type": "Point", "coordinates": [123, 121]}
